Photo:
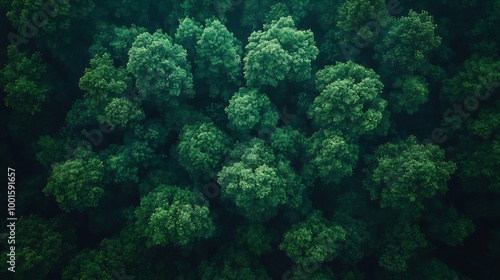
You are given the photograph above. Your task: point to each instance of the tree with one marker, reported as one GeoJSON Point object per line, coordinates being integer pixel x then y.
{"type": "Point", "coordinates": [115, 40]}
{"type": "Point", "coordinates": [314, 240]}
{"type": "Point", "coordinates": [253, 238]}
{"type": "Point", "coordinates": [46, 19]}
{"type": "Point", "coordinates": [187, 34]}
{"type": "Point", "coordinates": [448, 225]}
{"type": "Point", "coordinates": [249, 110]}
{"type": "Point", "coordinates": [161, 69]}
{"type": "Point", "coordinates": [126, 162]}
{"type": "Point", "coordinates": [358, 23]}
{"type": "Point", "coordinates": [76, 183]}
{"type": "Point", "coordinates": [120, 112]}
{"type": "Point", "coordinates": [258, 12]}
{"type": "Point", "coordinates": [279, 52]}
{"type": "Point", "coordinates": [478, 152]}
{"type": "Point", "coordinates": [42, 240]}
{"type": "Point", "coordinates": [330, 156]}
{"type": "Point", "coordinates": [484, 30]}
{"type": "Point", "coordinates": [255, 184]}
{"type": "Point", "coordinates": [356, 243]}
{"type": "Point", "coordinates": [139, 152]}
{"type": "Point", "coordinates": [402, 241]}
{"type": "Point", "coordinates": [51, 149]}
{"type": "Point", "coordinates": [409, 93]}
{"type": "Point", "coordinates": [170, 215]}
{"type": "Point", "coordinates": [24, 79]}
{"type": "Point", "coordinates": [405, 173]}
{"type": "Point", "coordinates": [103, 263]}
{"type": "Point", "coordinates": [201, 148]}
{"type": "Point", "coordinates": [288, 142]}
{"type": "Point", "coordinates": [477, 76]}
{"type": "Point", "coordinates": [349, 100]}
{"type": "Point", "coordinates": [218, 59]}
{"type": "Point", "coordinates": [316, 272]}
{"type": "Point", "coordinates": [408, 42]}
{"type": "Point", "coordinates": [101, 83]}
{"type": "Point", "coordinates": [356, 14]}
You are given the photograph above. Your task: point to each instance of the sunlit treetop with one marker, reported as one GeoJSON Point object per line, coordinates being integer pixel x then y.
{"type": "Point", "coordinates": [279, 52]}
{"type": "Point", "coordinates": [349, 100]}
{"type": "Point", "coordinates": [160, 68]}
{"type": "Point", "coordinates": [255, 184]}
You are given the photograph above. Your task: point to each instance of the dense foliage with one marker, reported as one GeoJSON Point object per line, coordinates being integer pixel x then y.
{"type": "Point", "coordinates": [255, 139]}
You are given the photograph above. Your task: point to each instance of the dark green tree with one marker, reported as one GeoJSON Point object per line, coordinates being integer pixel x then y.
{"type": "Point", "coordinates": [476, 77]}
{"type": "Point", "coordinates": [120, 112]}
{"type": "Point", "coordinates": [314, 240]}
{"type": "Point", "coordinates": [355, 15]}
{"type": "Point", "coordinates": [201, 148]}
{"type": "Point", "coordinates": [408, 42]}
{"type": "Point", "coordinates": [218, 60]}
{"type": "Point", "coordinates": [106, 262]}
{"type": "Point", "coordinates": [409, 92]}
{"type": "Point", "coordinates": [171, 215]}
{"type": "Point", "coordinates": [259, 12]}
{"type": "Point", "coordinates": [330, 156]}
{"type": "Point", "coordinates": [447, 225]}
{"type": "Point", "coordinates": [101, 83]}
{"type": "Point", "coordinates": [25, 81]}
{"type": "Point", "coordinates": [76, 183]}
{"type": "Point", "coordinates": [37, 18]}
{"type": "Point", "coordinates": [478, 153]}
{"type": "Point", "coordinates": [206, 9]}
{"type": "Point", "coordinates": [253, 238]}
{"type": "Point", "coordinates": [42, 240]}
{"type": "Point", "coordinates": [405, 173]}
{"type": "Point", "coordinates": [115, 40]}
{"type": "Point", "coordinates": [402, 241]}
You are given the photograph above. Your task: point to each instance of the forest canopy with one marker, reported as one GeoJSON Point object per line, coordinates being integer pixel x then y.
{"type": "Point", "coordinates": [250, 139]}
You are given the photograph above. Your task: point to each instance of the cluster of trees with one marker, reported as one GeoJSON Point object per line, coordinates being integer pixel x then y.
{"type": "Point", "coordinates": [253, 139]}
